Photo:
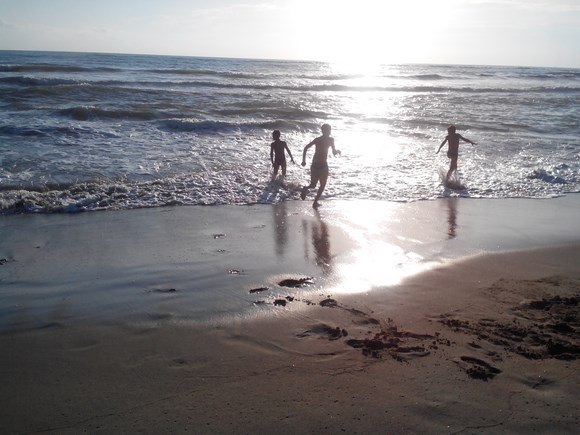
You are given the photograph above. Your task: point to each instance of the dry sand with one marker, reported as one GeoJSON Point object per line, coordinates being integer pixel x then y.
{"type": "Point", "coordinates": [484, 342]}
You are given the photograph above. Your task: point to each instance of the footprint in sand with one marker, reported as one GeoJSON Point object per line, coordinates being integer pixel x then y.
{"type": "Point", "coordinates": [296, 283]}
{"type": "Point", "coordinates": [325, 330]}
{"type": "Point", "coordinates": [538, 382]}
{"type": "Point", "coordinates": [477, 368]}
{"type": "Point", "coordinates": [328, 303]}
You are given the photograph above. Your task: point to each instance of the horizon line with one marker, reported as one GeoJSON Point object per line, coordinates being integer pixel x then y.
{"type": "Point", "coordinates": [280, 59]}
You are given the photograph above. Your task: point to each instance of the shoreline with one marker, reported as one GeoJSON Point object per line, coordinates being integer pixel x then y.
{"type": "Point", "coordinates": [404, 326]}
{"type": "Point", "coordinates": [204, 263]}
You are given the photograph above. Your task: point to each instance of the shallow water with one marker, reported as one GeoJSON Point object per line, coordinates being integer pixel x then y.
{"type": "Point", "coordinates": [85, 132]}
{"type": "Point", "coordinates": [200, 264]}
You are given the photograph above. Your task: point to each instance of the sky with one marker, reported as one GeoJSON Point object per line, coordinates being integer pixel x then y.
{"type": "Point", "coordinates": [469, 32]}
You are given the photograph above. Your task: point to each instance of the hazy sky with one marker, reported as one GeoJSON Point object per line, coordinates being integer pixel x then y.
{"type": "Point", "coordinates": [498, 32]}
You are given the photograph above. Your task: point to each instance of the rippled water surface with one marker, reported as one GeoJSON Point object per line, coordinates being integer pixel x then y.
{"type": "Point", "coordinates": [98, 131]}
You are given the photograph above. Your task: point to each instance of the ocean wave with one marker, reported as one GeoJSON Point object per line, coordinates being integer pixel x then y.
{"type": "Point", "coordinates": [199, 189]}
{"type": "Point", "coordinates": [43, 68]}
{"type": "Point", "coordinates": [288, 125]}
{"type": "Point", "coordinates": [340, 88]}
{"type": "Point", "coordinates": [551, 75]}
{"type": "Point", "coordinates": [201, 128]}
{"type": "Point", "coordinates": [223, 127]}
{"type": "Point", "coordinates": [89, 113]}
{"type": "Point", "coordinates": [185, 125]}
{"type": "Point", "coordinates": [427, 76]}
{"type": "Point", "coordinates": [35, 81]}
{"type": "Point", "coordinates": [171, 118]}
{"type": "Point", "coordinates": [271, 111]}
{"type": "Point", "coordinates": [152, 86]}
{"type": "Point", "coordinates": [259, 86]}
{"type": "Point", "coordinates": [247, 185]}
{"type": "Point", "coordinates": [54, 131]}
{"type": "Point", "coordinates": [237, 188]}
{"type": "Point", "coordinates": [331, 77]}
{"type": "Point", "coordinates": [209, 72]}
{"type": "Point", "coordinates": [186, 72]}
{"type": "Point", "coordinates": [12, 130]}
{"type": "Point", "coordinates": [543, 175]}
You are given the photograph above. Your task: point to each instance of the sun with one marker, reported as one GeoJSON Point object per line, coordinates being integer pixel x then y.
{"type": "Point", "coordinates": [365, 32]}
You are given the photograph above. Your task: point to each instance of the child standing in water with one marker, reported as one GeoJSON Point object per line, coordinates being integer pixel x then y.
{"type": "Point", "coordinates": [277, 154]}
{"type": "Point", "coordinates": [319, 167]}
{"type": "Point", "coordinates": [452, 139]}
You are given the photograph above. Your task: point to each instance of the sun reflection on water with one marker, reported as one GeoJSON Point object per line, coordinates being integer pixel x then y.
{"type": "Point", "coordinates": [380, 257]}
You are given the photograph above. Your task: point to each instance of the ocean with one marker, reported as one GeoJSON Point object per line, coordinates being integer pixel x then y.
{"type": "Point", "coordinates": [88, 131]}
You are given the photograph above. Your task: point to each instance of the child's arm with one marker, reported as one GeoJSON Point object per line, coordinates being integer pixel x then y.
{"type": "Point", "coordinates": [304, 153]}
{"type": "Point", "coordinates": [442, 143]}
{"type": "Point", "coordinates": [272, 152]}
{"type": "Point", "coordinates": [334, 150]}
{"type": "Point", "coordinates": [289, 153]}
{"type": "Point", "coordinates": [466, 140]}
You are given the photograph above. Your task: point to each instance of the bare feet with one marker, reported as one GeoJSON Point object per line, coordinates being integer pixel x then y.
{"type": "Point", "coordinates": [303, 193]}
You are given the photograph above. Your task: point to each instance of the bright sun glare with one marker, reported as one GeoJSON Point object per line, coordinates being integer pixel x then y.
{"type": "Point", "coordinates": [366, 32]}
{"type": "Point", "coordinates": [379, 259]}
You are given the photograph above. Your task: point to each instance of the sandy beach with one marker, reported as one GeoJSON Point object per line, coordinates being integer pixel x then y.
{"type": "Point", "coordinates": [447, 316]}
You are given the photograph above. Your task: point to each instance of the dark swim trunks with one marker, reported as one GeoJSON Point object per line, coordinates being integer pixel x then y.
{"type": "Point", "coordinates": [318, 170]}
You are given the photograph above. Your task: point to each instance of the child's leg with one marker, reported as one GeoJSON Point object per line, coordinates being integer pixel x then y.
{"type": "Point", "coordinates": [303, 193]}
{"type": "Point", "coordinates": [449, 172]}
{"type": "Point", "coordinates": [323, 180]}
{"type": "Point", "coordinates": [313, 181]}
{"type": "Point", "coordinates": [452, 167]}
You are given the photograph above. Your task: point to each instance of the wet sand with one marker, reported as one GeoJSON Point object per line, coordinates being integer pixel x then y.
{"type": "Point", "coordinates": [441, 317]}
